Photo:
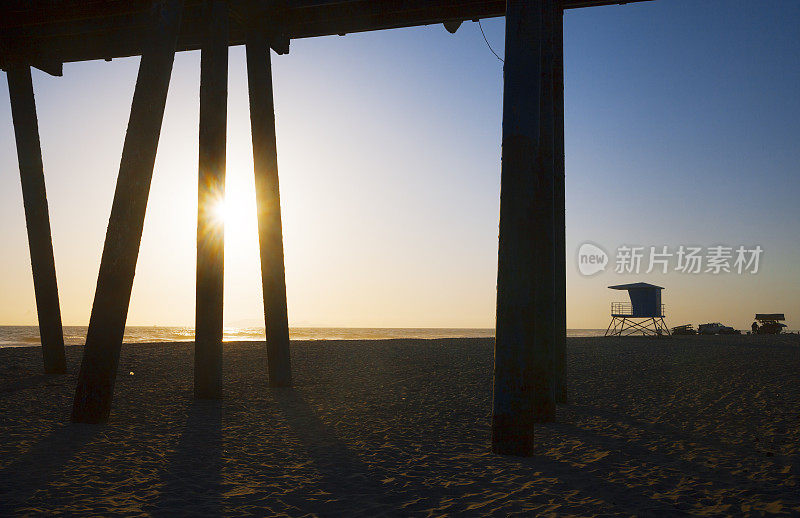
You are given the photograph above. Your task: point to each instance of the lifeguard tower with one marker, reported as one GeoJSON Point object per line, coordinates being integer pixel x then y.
{"type": "Point", "coordinates": [643, 314]}
{"type": "Point", "coordinates": [770, 323]}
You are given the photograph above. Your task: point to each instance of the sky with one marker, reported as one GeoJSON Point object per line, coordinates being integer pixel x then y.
{"type": "Point", "coordinates": [682, 120]}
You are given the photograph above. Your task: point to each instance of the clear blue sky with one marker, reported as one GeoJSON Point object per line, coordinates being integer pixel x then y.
{"type": "Point", "coordinates": [682, 122]}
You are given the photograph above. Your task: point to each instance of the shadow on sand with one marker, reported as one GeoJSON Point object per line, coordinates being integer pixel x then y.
{"type": "Point", "coordinates": [353, 483]}
{"type": "Point", "coordinates": [17, 383]}
{"type": "Point", "coordinates": [39, 467]}
{"type": "Point", "coordinates": [192, 477]}
{"type": "Point", "coordinates": [665, 434]}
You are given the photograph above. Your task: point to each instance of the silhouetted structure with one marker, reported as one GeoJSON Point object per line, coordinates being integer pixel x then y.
{"type": "Point", "coordinates": [716, 328]}
{"type": "Point", "coordinates": [769, 323]}
{"type": "Point", "coordinates": [685, 329]}
{"type": "Point", "coordinates": [531, 305]}
{"type": "Point", "coordinates": [37, 218]}
{"type": "Point", "coordinates": [644, 314]}
{"type": "Point", "coordinates": [210, 193]}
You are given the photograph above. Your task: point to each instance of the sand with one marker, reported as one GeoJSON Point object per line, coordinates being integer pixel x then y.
{"type": "Point", "coordinates": [695, 425]}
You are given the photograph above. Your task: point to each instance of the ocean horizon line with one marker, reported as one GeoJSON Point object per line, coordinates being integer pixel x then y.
{"type": "Point", "coordinates": [28, 336]}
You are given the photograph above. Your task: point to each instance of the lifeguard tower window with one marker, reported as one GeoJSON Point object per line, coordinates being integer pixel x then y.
{"type": "Point", "coordinates": [643, 314]}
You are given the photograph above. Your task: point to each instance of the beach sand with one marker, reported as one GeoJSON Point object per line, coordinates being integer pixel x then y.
{"type": "Point", "coordinates": [696, 425]}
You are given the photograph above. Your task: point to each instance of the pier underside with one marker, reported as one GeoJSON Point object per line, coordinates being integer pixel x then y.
{"type": "Point", "coordinates": [529, 374]}
{"type": "Point", "coordinates": [47, 33]}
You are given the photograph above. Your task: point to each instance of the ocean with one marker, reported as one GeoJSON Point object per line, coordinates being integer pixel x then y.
{"type": "Point", "coordinates": [26, 336]}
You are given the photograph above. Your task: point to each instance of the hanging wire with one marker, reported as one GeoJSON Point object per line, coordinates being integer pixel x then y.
{"type": "Point", "coordinates": [487, 42]}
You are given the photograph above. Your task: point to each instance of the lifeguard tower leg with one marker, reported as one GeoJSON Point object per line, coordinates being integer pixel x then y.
{"type": "Point", "coordinates": [523, 372]}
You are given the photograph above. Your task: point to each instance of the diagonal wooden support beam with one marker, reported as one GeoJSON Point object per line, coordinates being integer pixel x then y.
{"type": "Point", "coordinates": [559, 192]}
{"type": "Point", "coordinates": [270, 234]}
{"type": "Point", "coordinates": [523, 376]}
{"type": "Point", "coordinates": [210, 197]}
{"type": "Point", "coordinates": [37, 218]}
{"type": "Point", "coordinates": [95, 388]}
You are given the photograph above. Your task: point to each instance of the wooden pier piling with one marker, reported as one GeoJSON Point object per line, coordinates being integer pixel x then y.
{"type": "Point", "coordinates": [210, 200]}
{"type": "Point", "coordinates": [559, 192]}
{"type": "Point", "coordinates": [37, 218]}
{"type": "Point", "coordinates": [95, 388]}
{"type": "Point", "coordinates": [523, 374]}
{"type": "Point", "coordinates": [270, 233]}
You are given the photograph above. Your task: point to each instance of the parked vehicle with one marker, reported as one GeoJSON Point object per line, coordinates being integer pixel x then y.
{"type": "Point", "coordinates": [685, 329]}
{"type": "Point", "coordinates": [715, 328]}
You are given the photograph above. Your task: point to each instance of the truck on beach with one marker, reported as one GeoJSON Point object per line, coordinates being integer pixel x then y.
{"type": "Point", "coordinates": [715, 328]}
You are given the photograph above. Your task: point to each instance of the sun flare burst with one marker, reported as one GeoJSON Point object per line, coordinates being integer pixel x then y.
{"type": "Point", "coordinates": [220, 213]}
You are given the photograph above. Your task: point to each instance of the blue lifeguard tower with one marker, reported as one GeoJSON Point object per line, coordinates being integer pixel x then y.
{"type": "Point", "coordinates": [643, 314]}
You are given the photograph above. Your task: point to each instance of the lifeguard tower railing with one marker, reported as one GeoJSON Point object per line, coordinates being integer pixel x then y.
{"type": "Point", "coordinates": [625, 309]}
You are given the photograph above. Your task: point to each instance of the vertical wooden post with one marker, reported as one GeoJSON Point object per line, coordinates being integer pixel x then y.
{"type": "Point", "coordinates": [545, 294]}
{"type": "Point", "coordinates": [95, 388]}
{"type": "Point", "coordinates": [559, 193]}
{"type": "Point", "coordinates": [210, 197]}
{"type": "Point", "coordinates": [523, 373]}
{"type": "Point", "coordinates": [270, 236]}
{"type": "Point", "coordinates": [37, 218]}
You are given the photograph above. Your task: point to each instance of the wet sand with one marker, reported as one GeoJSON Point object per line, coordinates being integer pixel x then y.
{"type": "Point", "coordinates": [694, 425]}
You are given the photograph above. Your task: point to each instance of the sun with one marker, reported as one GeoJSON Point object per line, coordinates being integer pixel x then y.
{"type": "Point", "coordinates": [229, 211]}
{"type": "Point", "coordinates": [220, 213]}
{"type": "Point", "coordinates": [234, 211]}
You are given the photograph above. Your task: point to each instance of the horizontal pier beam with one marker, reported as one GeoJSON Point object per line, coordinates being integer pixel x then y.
{"type": "Point", "coordinates": [77, 30]}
